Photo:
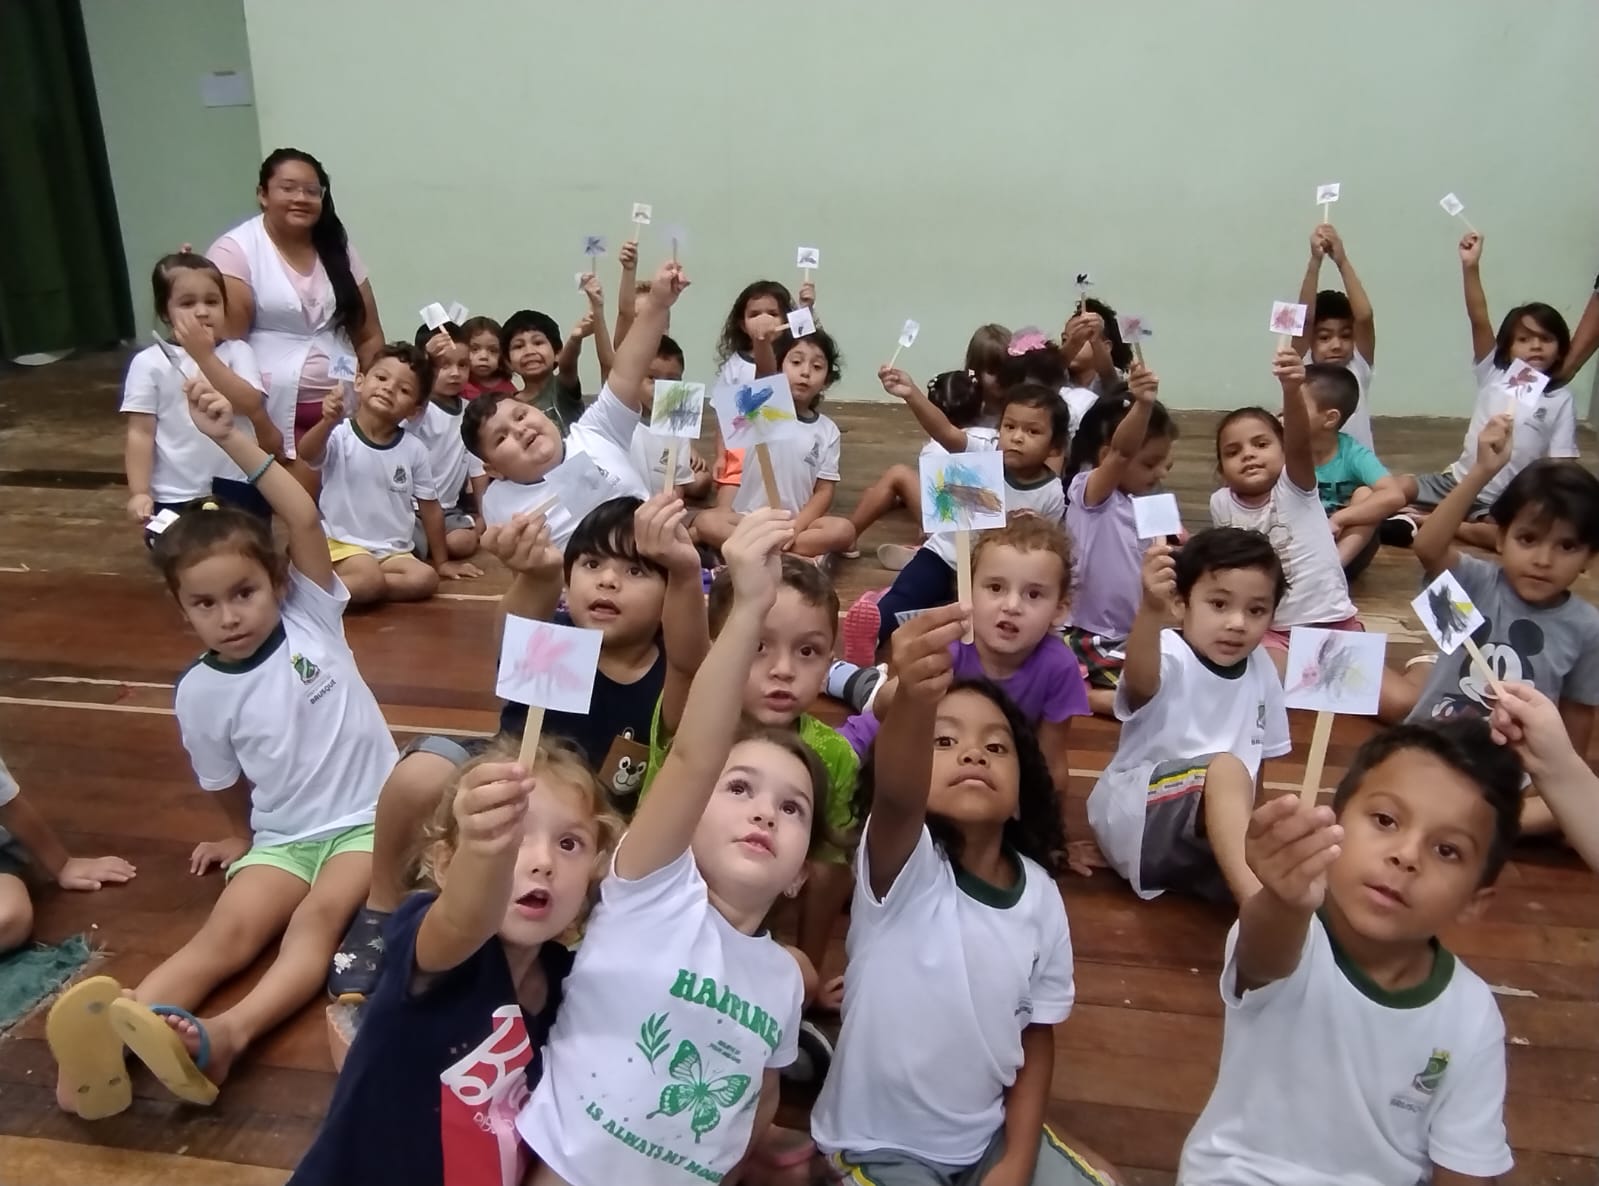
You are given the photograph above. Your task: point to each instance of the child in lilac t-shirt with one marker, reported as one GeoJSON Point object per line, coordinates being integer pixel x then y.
{"type": "Point", "coordinates": [1020, 576]}
{"type": "Point", "coordinates": [1121, 450]}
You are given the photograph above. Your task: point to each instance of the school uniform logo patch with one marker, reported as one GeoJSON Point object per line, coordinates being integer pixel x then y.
{"type": "Point", "coordinates": [400, 476]}
{"type": "Point", "coordinates": [1428, 1078]}
{"type": "Point", "coordinates": [304, 668]}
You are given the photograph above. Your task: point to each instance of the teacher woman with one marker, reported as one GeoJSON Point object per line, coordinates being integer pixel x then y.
{"type": "Point", "coordinates": [296, 289]}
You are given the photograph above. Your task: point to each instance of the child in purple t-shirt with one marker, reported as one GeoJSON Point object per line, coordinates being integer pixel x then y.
{"type": "Point", "coordinates": [1122, 449]}
{"type": "Point", "coordinates": [1020, 576]}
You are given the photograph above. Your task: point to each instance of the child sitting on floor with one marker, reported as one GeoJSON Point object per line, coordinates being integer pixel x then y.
{"type": "Point", "coordinates": [377, 482]}
{"type": "Point", "coordinates": [1356, 491]}
{"type": "Point", "coordinates": [805, 469]}
{"type": "Point", "coordinates": [692, 479]}
{"type": "Point", "coordinates": [676, 981]}
{"type": "Point", "coordinates": [532, 347]}
{"type": "Point", "coordinates": [1096, 358]}
{"type": "Point", "coordinates": [1122, 451]}
{"type": "Point", "coordinates": [281, 728]}
{"type": "Point", "coordinates": [1032, 425]}
{"type": "Point", "coordinates": [452, 1038]}
{"type": "Point", "coordinates": [954, 890]}
{"type": "Point", "coordinates": [1269, 486]}
{"type": "Point", "coordinates": [1343, 328]}
{"type": "Point", "coordinates": [1357, 1048]}
{"type": "Point", "coordinates": [457, 475]}
{"type": "Point", "coordinates": [1200, 706]}
{"type": "Point", "coordinates": [25, 833]}
{"type": "Point", "coordinates": [487, 372]}
{"type": "Point", "coordinates": [1534, 334]}
{"type": "Point", "coordinates": [985, 358]}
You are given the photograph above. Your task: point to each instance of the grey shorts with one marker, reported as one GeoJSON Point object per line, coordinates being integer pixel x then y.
{"type": "Point", "coordinates": [1175, 854]}
{"type": "Point", "coordinates": [1432, 489]}
{"type": "Point", "coordinates": [452, 751]}
{"type": "Point", "coordinates": [1057, 1166]}
{"type": "Point", "coordinates": [456, 518]}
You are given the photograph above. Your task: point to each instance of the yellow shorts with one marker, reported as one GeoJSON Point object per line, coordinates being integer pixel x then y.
{"type": "Point", "coordinates": [305, 858]}
{"type": "Point", "coordinates": [339, 550]}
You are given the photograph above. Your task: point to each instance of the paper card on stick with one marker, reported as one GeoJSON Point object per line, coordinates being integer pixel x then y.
{"type": "Point", "coordinates": [1334, 670]}
{"type": "Point", "coordinates": [963, 491]}
{"type": "Point", "coordinates": [342, 366]}
{"type": "Point", "coordinates": [1134, 328]}
{"type": "Point", "coordinates": [458, 312]}
{"type": "Point", "coordinates": [548, 665]}
{"type": "Point", "coordinates": [593, 245]}
{"type": "Point", "coordinates": [1446, 611]}
{"type": "Point", "coordinates": [434, 315]}
{"type": "Point", "coordinates": [808, 258]}
{"type": "Point", "coordinates": [1525, 383]}
{"type": "Point", "coordinates": [761, 410]}
{"type": "Point", "coordinates": [160, 521]}
{"type": "Point", "coordinates": [907, 334]}
{"type": "Point", "coordinates": [1287, 318]}
{"type": "Point", "coordinates": [678, 408]}
{"type": "Point", "coordinates": [169, 350]}
{"type": "Point", "coordinates": [1156, 515]}
{"type": "Point", "coordinates": [642, 213]}
{"type": "Point", "coordinates": [1326, 194]}
{"type": "Point", "coordinates": [1084, 280]}
{"type": "Point", "coordinates": [578, 486]}
{"type": "Point", "coordinates": [801, 322]}
{"type": "Point", "coordinates": [1451, 204]}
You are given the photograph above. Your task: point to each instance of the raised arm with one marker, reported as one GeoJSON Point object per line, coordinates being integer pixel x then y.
{"type": "Point", "coordinates": [1528, 720]}
{"type": "Point", "coordinates": [1127, 440]}
{"type": "Point", "coordinates": [1298, 458]}
{"type": "Point", "coordinates": [1289, 845]}
{"type": "Point", "coordinates": [902, 758]}
{"type": "Point", "coordinates": [1141, 668]}
{"type": "Point", "coordinates": [314, 444]}
{"type": "Point", "coordinates": [1308, 285]}
{"type": "Point", "coordinates": [627, 294]}
{"type": "Point", "coordinates": [934, 423]}
{"type": "Point", "coordinates": [764, 331]}
{"type": "Point", "coordinates": [1482, 327]}
{"type": "Point", "coordinates": [666, 820]}
{"type": "Point", "coordinates": [1584, 339]}
{"type": "Point", "coordinates": [569, 361]}
{"type": "Point", "coordinates": [661, 532]}
{"type": "Point", "coordinates": [1359, 302]}
{"type": "Point", "coordinates": [308, 546]}
{"type": "Point", "coordinates": [637, 351]}
{"type": "Point", "coordinates": [1434, 544]}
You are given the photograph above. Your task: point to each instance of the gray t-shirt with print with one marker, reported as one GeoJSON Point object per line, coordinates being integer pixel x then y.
{"type": "Point", "coordinates": [1554, 648]}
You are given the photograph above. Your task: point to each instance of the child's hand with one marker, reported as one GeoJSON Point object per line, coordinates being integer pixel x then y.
{"type": "Point", "coordinates": [585, 325]}
{"type": "Point", "coordinates": [438, 345]}
{"type": "Point", "coordinates": [1318, 242]}
{"type": "Point", "coordinates": [1493, 443]}
{"type": "Point", "coordinates": [896, 382]}
{"type": "Point", "coordinates": [459, 570]}
{"type": "Point", "coordinates": [523, 545]}
{"type": "Point", "coordinates": [91, 873]}
{"type": "Point", "coordinates": [766, 328]}
{"type": "Point", "coordinates": [667, 286]}
{"type": "Point", "coordinates": [1159, 577]}
{"type": "Point", "coordinates": [333, 405]}
{"type": "Point", "coordinates": [754, 555]}
{"type": "Point", "coordinates": [1523, 717]}
{"type": "Point", "coordinates": [1289, 368]}
{"type": "Point", "coordinates": [1470, 249]}
{"type": "Point", "coordinates": [220, 853]}
{"type": "Point", "coordinates": [1079, 330]}
{"type": "Point", "coordinates": [489, 805]}
{"type": "Point", "coordinates": [807, 294]}
{"type": "Point", "coordinates": [594, 290]}
{"type": "Point", "coordinates": [1143, 383]}
{"type": "Point", "coordinates": [197, 339]}
{"type": "Point", "coordinates": [211, 412]}
{"type": "Point", "coordinates": [140, 507]}
{"type": "Point", "coordinates": [696, 463]}
{"type": "Point", "coordinates": [1332, 242]}
{"type": "Point", "coordinates": [660, 532]}
{"type": "Point", "coordinates": [627, 256]}
{"type": "Point", "coordinates": [1290, 846]}
{"type": "Point", "coordinates": [919, 655]}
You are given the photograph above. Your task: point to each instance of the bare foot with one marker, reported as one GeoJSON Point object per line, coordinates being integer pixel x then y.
{"type": "Point", "coordinates": [224, 1046]}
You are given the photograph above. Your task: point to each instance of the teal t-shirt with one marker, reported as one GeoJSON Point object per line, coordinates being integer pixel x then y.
{"type": "Point", "coordinates": [1352, 467]}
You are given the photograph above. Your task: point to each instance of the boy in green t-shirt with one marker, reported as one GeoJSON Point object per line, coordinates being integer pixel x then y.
{"type": "Point", "coordinates": [1357, 492]}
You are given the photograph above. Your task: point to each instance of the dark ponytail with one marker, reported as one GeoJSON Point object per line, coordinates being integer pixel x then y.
{"type": "Point", "coordinates": [331, 241]}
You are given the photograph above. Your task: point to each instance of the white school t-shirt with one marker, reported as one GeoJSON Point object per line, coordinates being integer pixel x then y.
{"type": "Point", "coordinates": [439, 430]}
{"type": "Point", "coordinates": [369, 491]}
{"type": "Point", "coordinates": [186, 460]}
{"type": "Point", "coordinates": [978, 440]}
{"type": "Point", "coordinates": [668, 1020]}
{"type": "Point", "coordinates": [1359, 423]}
{"type": "Point", "coordinates": [1547, 430]}
{"type": "Point", "coordinates": [1078, 401]}
{"type": "Point", "coordinates": [1196, 711]}
{"type": "Point", "coordinates": [1044, 498]}
{"type": "Point", "coordinates": [1296, 523]}
{"type": "Point", "coordinates": [649, 452]}
{"type": "Point", "coordinates": [799, 462]}
{"type": "Point", "coordinates": [295, 719]}
{"type": "Point", "coordinates": [1326, 1078]}
{"type": "Point", "coordinates": [924, 1070]}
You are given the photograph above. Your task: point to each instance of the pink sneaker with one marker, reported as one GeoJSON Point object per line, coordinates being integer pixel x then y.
{"type": "Point", "coordinates": [861, 625]}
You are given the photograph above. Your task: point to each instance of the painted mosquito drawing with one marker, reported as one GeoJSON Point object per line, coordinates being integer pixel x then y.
{"type": "Point", "coordinates": [594, 245]}
{"type": "Point", "coordinates": [543, 665]}
{"type": "Point", "coordinates": [1285, 319]}
{"type": "Point", "coordinates": [1448, 615]}
{"type": "Point", "coordinates": [752, 406]}
{"type": "Point", "coordinates": [677, 409]}
{"type": "Point", "coordinates": [1332, 672]}
{"type": "Point", "coordinates": [957, 492]}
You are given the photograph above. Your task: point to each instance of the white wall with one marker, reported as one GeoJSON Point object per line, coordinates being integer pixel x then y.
{"type": "Point", "coordinates": [957, 163]}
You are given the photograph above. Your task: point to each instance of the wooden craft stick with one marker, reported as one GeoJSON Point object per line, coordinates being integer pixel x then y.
{"type": "Point", "coordinates": [1317, 759]}
{"type": "Point", "coordinates": [894, 357]}
{"type": "Point", "coordinates": [963, 575]}
{"type": "Point", "coordinates": [1483, 669]}
{"type": "Point", "coordinates": [1138, 353]}
{"type": "Point", "coordinates": [671, 467]}
{"type": "Point", "coordinates": [1324, 208]}
{"type": "Point", "coordinates": [530, 737]}
{"type": "Point", "coordinates": [763, 458]}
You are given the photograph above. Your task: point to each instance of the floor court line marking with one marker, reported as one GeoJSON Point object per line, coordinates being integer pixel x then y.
{"type": "Point", "coordinates": [85, 679]}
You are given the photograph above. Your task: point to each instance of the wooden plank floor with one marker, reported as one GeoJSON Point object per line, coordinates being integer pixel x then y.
{"type": "Point", "coordinates": [90, 646]}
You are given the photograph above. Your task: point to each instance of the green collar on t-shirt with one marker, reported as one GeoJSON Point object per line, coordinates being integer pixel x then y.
{"type": "Point", "coordinates": [1236, 671]}
{"type": "Point", "coordinates": [1414, 997]}
{"type": "Point", "coordinates": [399, 433]}
{"type": "Point", "coordinates": [998, 897]}
{"type": "Point", "coordinates": [251, 661]}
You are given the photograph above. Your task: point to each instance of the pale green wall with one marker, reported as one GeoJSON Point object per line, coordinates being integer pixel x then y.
{"type": "Point", "coordinates": [957, 162]}
{"type": "Point", "coordinates": [181, 172]}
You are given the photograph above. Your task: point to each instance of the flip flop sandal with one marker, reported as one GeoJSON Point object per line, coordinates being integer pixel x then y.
{"type": "Point", "coordinates": [158, 1046]}
{"type": "Point", "coordinates": [87, 1049]}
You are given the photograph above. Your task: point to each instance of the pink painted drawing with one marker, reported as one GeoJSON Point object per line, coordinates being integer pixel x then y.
{"type": "Point", "coordinates": [548, 665]}
{"type": "Point", "coordinates": [1134, 328]}
{"type": "Point", "coordinates": [1287, 318]}
{"type": "Point", "coordinates": [1525, 383]}
{"type": "Point", "coordinates": [1334, 670]}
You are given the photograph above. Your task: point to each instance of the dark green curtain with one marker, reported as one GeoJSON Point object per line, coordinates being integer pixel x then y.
{"type": "Point", "coordinates": [63, 280]}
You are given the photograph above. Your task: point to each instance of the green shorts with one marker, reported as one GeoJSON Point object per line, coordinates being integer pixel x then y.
{"type": "Point", "coordinates": [305, 858]}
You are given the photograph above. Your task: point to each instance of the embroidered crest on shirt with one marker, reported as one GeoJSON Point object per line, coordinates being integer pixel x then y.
{"type": "Point", "coordinates": [399, 476]}
{"type": "Point", "coordinates": [304, 668]}
{"type": "Point", "coordinates": [1428, 1078]}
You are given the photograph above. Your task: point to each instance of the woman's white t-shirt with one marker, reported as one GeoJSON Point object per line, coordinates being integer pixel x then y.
{"type": "Point", "coordinates": [1296, 523]}
{"type": "Point", "coordinates": [668, 1021]}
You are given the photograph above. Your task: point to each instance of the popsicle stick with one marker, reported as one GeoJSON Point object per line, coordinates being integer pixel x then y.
{"type": "Point", "coordinates": [963, 574]}
{"type": "Point", "coordinates": [1317, 759]}
{"type": "Point", "coordinates": [530, 737]}
{"type": "Point", "coordinates": [763, 457]}
{"type": "Point", "coordinates": [894, 357]}
{"type": "Point", "coordinates": [1284, 341]}
{"type": "Point", "coordinates": [671, 467]}
{"type": "Point", "coordinates": [1138, 353]}
{"type": "Point", "coordinates": [807, 275]}
{"type": "Point", "coordinates": [1467, 221]}
{"type": "Point", "coordinates": [1324, 213]}
{"type": "Point", "coordinates": [1483, 669]}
